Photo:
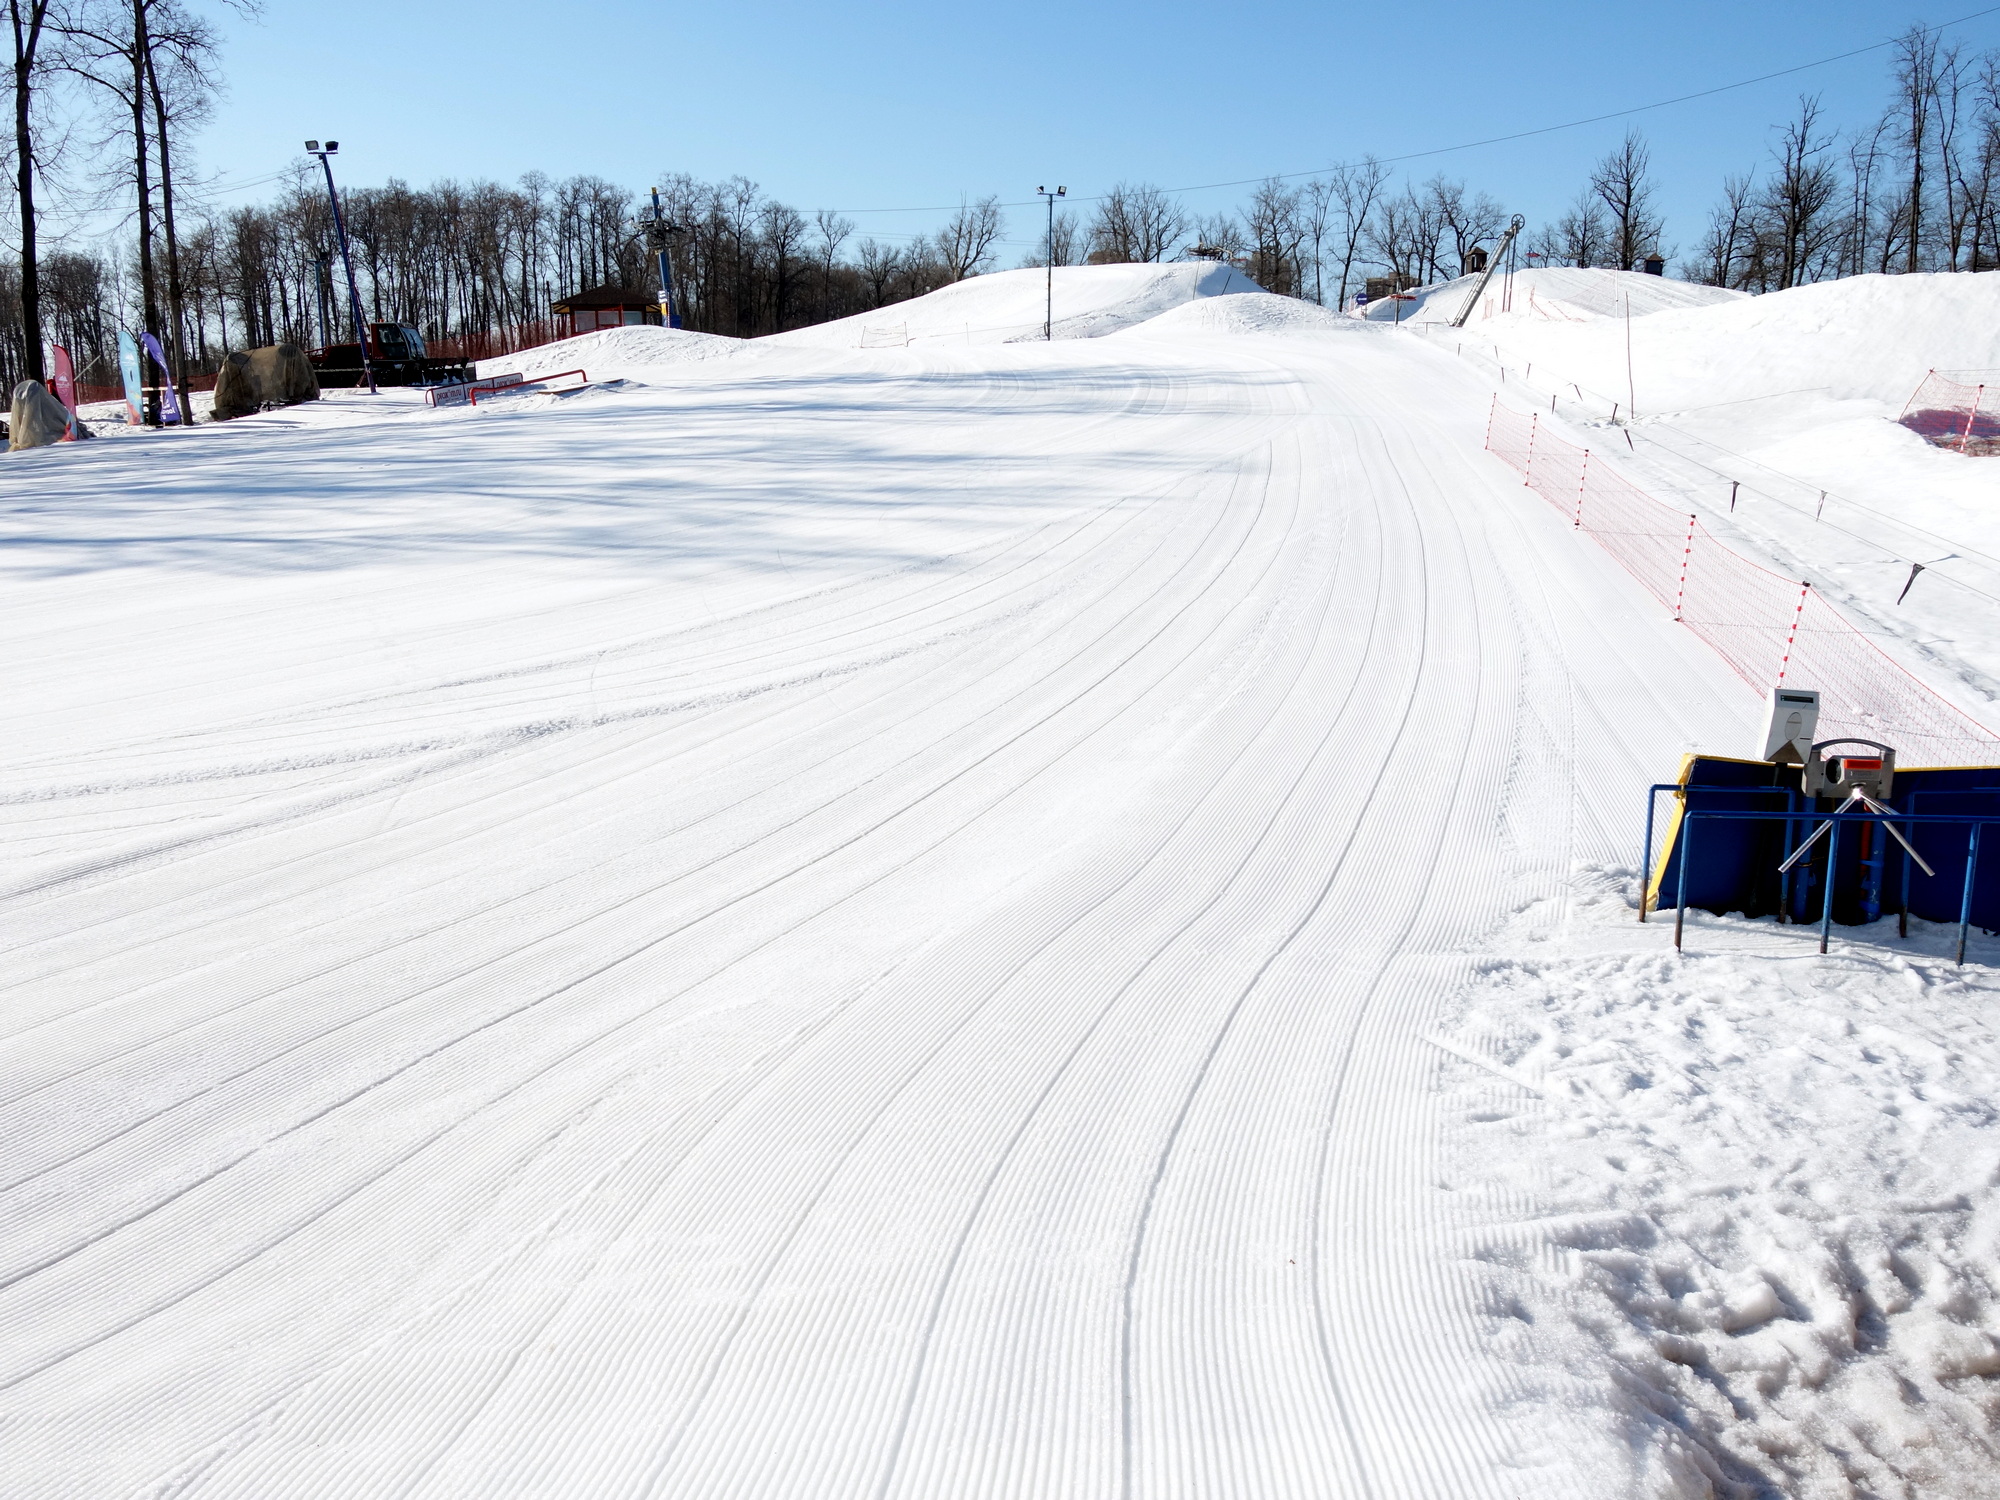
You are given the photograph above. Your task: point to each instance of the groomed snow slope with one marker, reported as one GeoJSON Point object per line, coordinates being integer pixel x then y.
{"type": "Point", "coordinates": [1012, 306]}
{"type": "Point", "coordinates": [835, 925]}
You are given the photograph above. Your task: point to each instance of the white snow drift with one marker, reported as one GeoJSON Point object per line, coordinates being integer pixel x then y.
{"type": "Point", "coordinates": [836, 923]}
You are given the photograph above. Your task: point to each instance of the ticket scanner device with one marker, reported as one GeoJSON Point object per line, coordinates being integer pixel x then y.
{"type": "Point", "coordinates": [1788, 734]}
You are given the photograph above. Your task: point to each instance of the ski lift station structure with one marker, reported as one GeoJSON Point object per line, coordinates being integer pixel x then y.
{"type": "Point", "coordinates": [605, 307]}
{"type": "Point", "coordinates": [1806, 833]}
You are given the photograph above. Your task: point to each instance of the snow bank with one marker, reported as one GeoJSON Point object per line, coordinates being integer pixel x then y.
{"type": "Point", "coordinates": [1765, 1246]}
{"type": "Point", "coordinates": [1866, 337]}
{"type": "Point", "coordinates": [1244, 312]}
{"type": "Point", "coordinates": [1009, 306]}
{"type": "Point", "coordinates": [615, 352]}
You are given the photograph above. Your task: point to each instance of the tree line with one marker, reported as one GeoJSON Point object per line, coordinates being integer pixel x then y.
{"type": "Point", "coordinates": [108, 94]}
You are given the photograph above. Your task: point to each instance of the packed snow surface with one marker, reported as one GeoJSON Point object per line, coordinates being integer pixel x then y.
{"type": "Point", "coordinates": [1242, 312]}
{"type": "Point", "coordinates": [1032, 921]}
{"type": "Point", "coordinates": [1015, 306]}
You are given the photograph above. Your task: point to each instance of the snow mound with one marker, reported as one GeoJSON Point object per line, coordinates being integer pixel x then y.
{"type": "Point", "coordinates": [1245, 312]}
{"type": "Point", "coordinates": [1009, 306]}
{"type": "Point", "coordinates": [1763, 1244]}
{"type": "Point", "coordinates": [1870, 337]}
{"type": "Point", "coordinates": [615, 351]}
{"type": "Point", "coordinates": [1563, 294]}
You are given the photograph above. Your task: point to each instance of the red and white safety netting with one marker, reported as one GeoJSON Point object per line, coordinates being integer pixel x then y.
{"type": "Point", "coordinates": [1956, 410]}
{"type": "Point", "coordinates": [1769, 628]}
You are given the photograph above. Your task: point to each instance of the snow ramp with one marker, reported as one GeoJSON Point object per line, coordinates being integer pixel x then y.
{"type": "Point", "coordinates": [821, 929]}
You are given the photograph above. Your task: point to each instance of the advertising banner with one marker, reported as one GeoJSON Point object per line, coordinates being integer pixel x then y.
{"type": "Point", "coordinates": [170, 408]}
{"type": "Point", "coordinates": [128, 367]}
{"type": "Point", "coordinates": [62, 380]}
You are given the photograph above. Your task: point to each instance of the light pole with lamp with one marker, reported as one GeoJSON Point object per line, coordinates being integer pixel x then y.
{"type": "Point", "coordinates": [657, 231]}
{"type": "Point", "coordinates": [347, 260]}
{"type": "Point", "coordinates": [1049, 319]}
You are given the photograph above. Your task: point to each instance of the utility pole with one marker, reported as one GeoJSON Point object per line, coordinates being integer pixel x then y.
{"type": "Point", "coordinates": [1049, 317]}
{"type": "Point", "coordinates": [658, 231]}
{"type": "Point", "coordinates": [347, 260]}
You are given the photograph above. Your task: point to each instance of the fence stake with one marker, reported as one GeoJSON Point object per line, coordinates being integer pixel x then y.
{"type": "Point", "coordinates": [1582, 478]}
{"type": "Point", "coordinates": [1821, 507]}
{"type": "Point", "coordinates": [1797, 614]}
{"type": "Point", "coordinates": [1732, 495]}
{"type": "Point", "coordinates": [1490, 412]}
{"type": "Point", "coordinates": [1965, 903]}
{"type": "Point", "coordinates": [1528, 472]}
{"type": "Point", "coordinates": [1687, 552]}
{"type": "Point", "coordinates": [1966, 436]}
{"type": "Point", "coordinates": [1552, 404]}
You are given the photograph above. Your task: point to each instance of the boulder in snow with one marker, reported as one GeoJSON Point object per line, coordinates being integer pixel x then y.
{"type": "Point", "coordinates": [37, 418]}
{"type": "Point", "coordinates": [252, 379]}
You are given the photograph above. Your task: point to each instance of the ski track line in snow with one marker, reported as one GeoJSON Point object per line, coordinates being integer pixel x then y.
{"type": "Point", "coordinates": [1025, 1098]}
{"type": "Point", "coordinates": [698, 869]}
{"type": "Point", "coordinates": [9, 1278]}
{"type": "Point", "coordinates": [208, 893]}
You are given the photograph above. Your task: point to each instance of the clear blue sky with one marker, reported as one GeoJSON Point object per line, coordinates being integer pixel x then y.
{"type": "Point", "coordinates": [898, 105]}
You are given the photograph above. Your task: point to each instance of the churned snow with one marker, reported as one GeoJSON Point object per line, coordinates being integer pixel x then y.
{"type": "Point", "coordinates": [1765, 1252]}
{"type": "Point", "coordinates": [975, 918]}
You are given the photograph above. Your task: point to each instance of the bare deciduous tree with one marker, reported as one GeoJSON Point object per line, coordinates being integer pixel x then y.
{"type": "Point", "coordinates": [965, 243]}
{"type": "Point", "coordinates": [29, 31]}
{"type": "Point", "coordinates": [1799, 201]}
{"type": "Point", "coordinates": [1622, 182]}
{"type": "Point", "coordinates": [1136, 222]}
{"type": "Point", "coordinates": [1356, 189]}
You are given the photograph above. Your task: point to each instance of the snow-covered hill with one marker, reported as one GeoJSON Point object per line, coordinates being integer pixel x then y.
{"type": "Point", "coordinates": [1012, 923]}
{"type": "Point", "coordinates": [1560, 294]}
{"type": "Point", "coordinates": [1010, 306]}
{"type": "Point", "coordinates": [616, 353]}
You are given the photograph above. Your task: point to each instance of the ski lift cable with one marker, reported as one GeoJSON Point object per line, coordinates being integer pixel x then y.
{"type": "Point", "coordinates": [1496, 140]}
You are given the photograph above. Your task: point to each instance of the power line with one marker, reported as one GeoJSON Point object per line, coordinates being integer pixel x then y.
{"type": "Point", "coordinates": [1495, 140]}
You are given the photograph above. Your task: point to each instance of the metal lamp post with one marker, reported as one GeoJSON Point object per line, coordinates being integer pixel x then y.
{"type": "Point", "coordinates": [658, 231]}
{"type": "Point", "coordinates": [1049, 317]}
{"type": "Point", "coordinates": [347, 260]}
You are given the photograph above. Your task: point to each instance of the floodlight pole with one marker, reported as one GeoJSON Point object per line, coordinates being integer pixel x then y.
{"type": "Point", "coordinates": [347, 260]}
{"type": "Point", "coordinates": [1049, 316]}
{"type": "Point", "coordinates": [661, 229]}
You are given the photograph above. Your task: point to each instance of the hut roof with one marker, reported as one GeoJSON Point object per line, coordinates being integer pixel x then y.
{"type": "Point", "coordinates": [606, 296]}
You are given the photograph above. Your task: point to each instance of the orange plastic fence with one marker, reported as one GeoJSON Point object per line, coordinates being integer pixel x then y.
{"type": "Point", "coordinates": [496, 342]}
{"type": "Point", "coordinates": [1769, 628]}
{"type": "Point", "coordinates": [1957, 413]}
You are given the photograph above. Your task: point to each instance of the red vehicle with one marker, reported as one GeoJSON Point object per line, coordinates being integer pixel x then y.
{"type": "Point", "coordinates": [395, 352]}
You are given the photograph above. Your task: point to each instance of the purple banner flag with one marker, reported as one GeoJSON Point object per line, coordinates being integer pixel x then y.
{"type": "Point", "coordinates": [170, 409]}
